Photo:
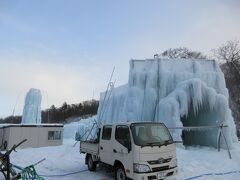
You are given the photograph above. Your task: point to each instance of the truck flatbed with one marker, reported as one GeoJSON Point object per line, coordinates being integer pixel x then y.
{"type": "Point", "coordinates": [89, 147]}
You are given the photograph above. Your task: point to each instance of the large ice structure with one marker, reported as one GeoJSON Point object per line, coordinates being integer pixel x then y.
{"type": "Point", "coordinates": [32, 107]}
{"type": "Point", "coordinates": [178, 92]}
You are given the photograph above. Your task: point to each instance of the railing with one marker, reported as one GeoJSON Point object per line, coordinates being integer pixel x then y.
{"type": "Point", "coordinates": [200, 128]}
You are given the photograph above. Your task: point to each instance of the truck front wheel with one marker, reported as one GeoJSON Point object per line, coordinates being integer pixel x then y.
{"type": "Point", "coordinates": [120, 173]}
{"type": "Point", "coordinates": [91, 164]}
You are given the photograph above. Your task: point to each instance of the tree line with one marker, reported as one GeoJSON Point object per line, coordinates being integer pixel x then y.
{"type": "Point", "coordinates": [61, 114]}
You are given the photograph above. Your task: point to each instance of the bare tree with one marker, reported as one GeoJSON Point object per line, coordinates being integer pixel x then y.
{"type": "Point", "coordinates": [183, 53]}
{"type": "Point", "coordinates": [228, 52]}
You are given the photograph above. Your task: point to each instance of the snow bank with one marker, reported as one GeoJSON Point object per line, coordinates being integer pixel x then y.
{"type": "Point", "coordinates": [32, 107]}
{"type": "Point", "coordinates": [177, 92]}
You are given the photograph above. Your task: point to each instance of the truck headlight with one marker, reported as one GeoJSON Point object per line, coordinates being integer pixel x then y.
{"type": "Point", "coordinates": [141, 168]}
{"type": "Point", "coordinates": [173, 163]}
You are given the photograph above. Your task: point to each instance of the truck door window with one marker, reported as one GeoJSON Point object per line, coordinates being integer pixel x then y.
{"type": "Point", "coordinates": [107, 131]}
{"type": "Point", "coordinates": [122, 135]}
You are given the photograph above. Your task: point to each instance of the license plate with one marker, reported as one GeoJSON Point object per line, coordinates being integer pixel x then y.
{"type": "Point", "coordinates": [160, 175]}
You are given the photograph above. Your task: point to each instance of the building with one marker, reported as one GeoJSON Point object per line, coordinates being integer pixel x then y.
{"type": "Point", "coordinates": [37, 135]}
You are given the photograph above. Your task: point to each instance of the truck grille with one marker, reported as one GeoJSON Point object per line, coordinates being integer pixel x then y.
{"type": "Point", "coordinates": [160, 162]}
{"type": "Point", "coordinates": [157, 169]}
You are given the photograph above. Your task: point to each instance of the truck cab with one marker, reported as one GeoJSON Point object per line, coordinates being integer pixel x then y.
{"type": "Point", "coordinates": [138, 150]}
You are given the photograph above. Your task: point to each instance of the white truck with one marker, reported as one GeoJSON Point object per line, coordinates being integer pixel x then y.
{"type": "Point", "coordinates": [137, 150]}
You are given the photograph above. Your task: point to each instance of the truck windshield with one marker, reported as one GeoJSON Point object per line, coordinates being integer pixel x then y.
{"type": "Point", "coordinates": [150, 134]}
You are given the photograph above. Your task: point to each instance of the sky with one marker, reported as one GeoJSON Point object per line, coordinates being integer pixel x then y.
{"type": "Point", "coordinates": [68, 48]}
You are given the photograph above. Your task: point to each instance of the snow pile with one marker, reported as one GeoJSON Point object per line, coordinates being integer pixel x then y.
{"type": "Point", "coordinates": [176, 92]}
{"type": "Point", "coordinates": [32, 107]}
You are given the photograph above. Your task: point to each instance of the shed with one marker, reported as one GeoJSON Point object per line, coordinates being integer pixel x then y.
{"type": "Point", "coordinates": [37, 135]}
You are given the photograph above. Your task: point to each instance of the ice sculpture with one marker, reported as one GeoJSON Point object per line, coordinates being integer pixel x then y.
{"type": "Point", "coordinates": [178, 92]}
{"type": "Point", "coordinates": [81, 129]}
{"type": "Point", "coordinates": [32, 107]}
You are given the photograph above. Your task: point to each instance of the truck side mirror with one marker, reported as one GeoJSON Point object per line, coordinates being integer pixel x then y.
{"type": "Point", "coordinates": [98, 135]}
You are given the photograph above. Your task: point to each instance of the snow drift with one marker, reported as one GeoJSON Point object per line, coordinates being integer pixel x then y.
{"type": "Point", "coordinates": [178, 92]}
{"type": "Point", "coordinates": [32, 107]}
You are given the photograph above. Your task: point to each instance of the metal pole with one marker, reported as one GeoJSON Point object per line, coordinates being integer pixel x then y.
{"type": "Point", "coordinates": [158, 86]}
{"type": "Point", "coordinates": [90, 131]}
{"type": "Point", "coordinates": [220, 133]}
{"type": "Point", "coordinates": [218, 138]}
{"type": "Point", "coordinates": [100, 113]}
{"type": "Point", "coordinates": [8, 166]}
{"type": "Point", "coordinates": [229, 154]}
{"type": "Point", "coordinates": [107, 100]}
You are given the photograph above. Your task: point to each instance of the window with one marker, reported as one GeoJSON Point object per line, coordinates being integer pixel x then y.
{"type": "Point", "coordinates": [160, 132]}
{"type": "Point", "coordinates": [150, 134]}
{"type": "Point", "coordinates": [107, 131]}
{"type": "Point", "coordinates": [122, 135]}
{"type": "Point", "coordinates": [54, 135]}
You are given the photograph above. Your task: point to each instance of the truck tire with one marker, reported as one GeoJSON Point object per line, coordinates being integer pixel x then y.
{"type": "Point", "coordinates": [120, 173]}
{"type": "Point", "coordinates": [91, 164]}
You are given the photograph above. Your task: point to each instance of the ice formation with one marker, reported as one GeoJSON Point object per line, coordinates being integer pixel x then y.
{"type": "Point", "coordinates": [32, 107]}
{"type": "Point", "coordinates": [178, 92]}
{"type": "Point", "coordinates": [82, 128]}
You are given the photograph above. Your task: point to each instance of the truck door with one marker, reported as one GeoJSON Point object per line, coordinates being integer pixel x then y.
{"type": "Point", "coordinates": [122, 148]}
{"type": "Point", "coordinates": [105, 149]}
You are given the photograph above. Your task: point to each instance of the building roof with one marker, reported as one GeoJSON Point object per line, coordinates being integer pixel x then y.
{"type": "Point", "coordinates": [30, 125]}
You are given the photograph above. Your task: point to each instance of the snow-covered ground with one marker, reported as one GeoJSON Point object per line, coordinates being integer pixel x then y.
{"type": "Point", "coordinates": [64, 159]}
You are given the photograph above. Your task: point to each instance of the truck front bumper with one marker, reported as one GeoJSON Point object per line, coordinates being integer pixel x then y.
{"type": "Point", "coordinates": [155, 175]}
